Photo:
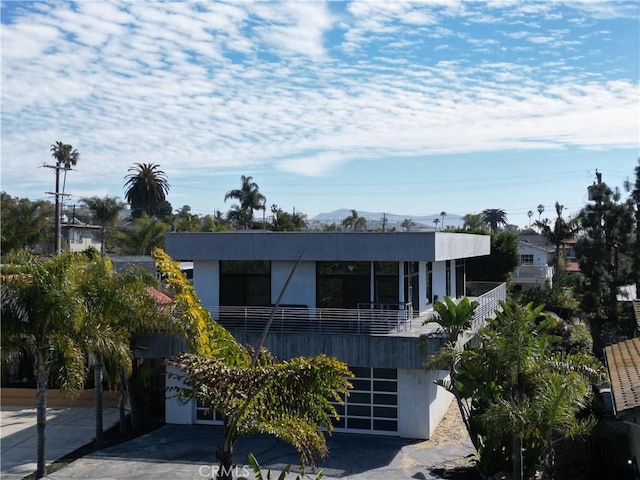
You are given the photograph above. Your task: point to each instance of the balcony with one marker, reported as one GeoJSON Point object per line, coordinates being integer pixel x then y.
{"type": "Point", "coordinates": [398, 319]}
{"type": "Point", "coordinates": [533, 274]}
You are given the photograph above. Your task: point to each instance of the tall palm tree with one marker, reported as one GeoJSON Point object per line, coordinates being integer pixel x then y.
{"type": "Point", "coordinates": [146, 189]}
{"type": "Point", "coordinates": [105, 212]}
{"type": "Point", "coordinates": [540, 210]}
{"type": "Point", "coordinates": [494, 217]}
{"type": "Point", "coordinates": [436, 221]}
{"type": "Point", "coordinates": [66, 156]}
{"type": "Point", "coordinates": [250, 199]}
{"type": "Point", "coordinates": [530, 214]}
{"type": "Point", "coordinates": [443, 214]}
{"type": "Point", "coordinates": [41, 320]}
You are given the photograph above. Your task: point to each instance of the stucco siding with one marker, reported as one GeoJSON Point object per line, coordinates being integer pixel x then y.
{"type": "Point", "coordinates": [302, 287]}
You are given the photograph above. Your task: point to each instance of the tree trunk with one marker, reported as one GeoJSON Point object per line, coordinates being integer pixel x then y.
{"type": "Point", "coordinates": [121, 403]}
{"type": "Point", "coordinates": [225, 455]}
{"type": "Point", "coordinates": [97, 380]}
{"type": "Point", "coordinates": [516, 456]}
{"type": "Point", "coordinates": [41, 418]}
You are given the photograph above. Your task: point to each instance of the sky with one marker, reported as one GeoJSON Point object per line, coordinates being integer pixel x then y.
{"type": "Point", "coordinates": [411, 108]}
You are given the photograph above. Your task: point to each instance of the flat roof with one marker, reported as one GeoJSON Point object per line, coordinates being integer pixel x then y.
{"type": "Point", "coordinates": [326, 246]}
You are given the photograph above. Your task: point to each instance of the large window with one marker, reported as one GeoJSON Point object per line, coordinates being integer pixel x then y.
{"type": "Point", "coordinates": [460, 278]}
{"type": "Point", "coordinates": [411, 285]}
{"type": "Point", "coordinates": [386, 282]}
{"type": "Point", "coordinates": [448, 279]}
{"type": "Point", "coordinates": [342, 284]}
{"type": "Point", "coordinates": [245, 283]}
{"type": "Point", "coordinates": [429, 282]}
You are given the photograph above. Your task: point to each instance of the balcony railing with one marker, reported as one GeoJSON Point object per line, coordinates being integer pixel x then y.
{"type": "Point", "coordinates": [533, 272]}
{"type": "Point", "coordinates": [369, 319]}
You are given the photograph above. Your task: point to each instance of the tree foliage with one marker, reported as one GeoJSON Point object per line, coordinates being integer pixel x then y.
{"type": "Point", "coordinates": [249, 199]}
{"type": "Point", "coordinates": [562, 231]}
{"type": "Point", "coordinates": [494, 217]}
{"type": "Point", "coordinates": [26, 224]}
{"type": "Point", "coordinates": [498, 265]}
{"type": "Point", "coordinates": [603, 251]}
{"type": "Point", "coordinates": [290, 400]}
{"type": "Point", "coordinates": [146, 188]}
{"type": "Point", "coordinates": [519, 395]}
{"type": "Point", "coordinates": [454, 318]}
{"type": "Point", "coordinates": [42, 320]}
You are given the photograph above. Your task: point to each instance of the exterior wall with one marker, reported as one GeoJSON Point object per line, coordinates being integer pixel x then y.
{"type": "Point", "coordinates": [440, 399]}
{"type": "Point", "coordinates": [439, 280]}
{"type": "Point", "coordinates": [206, 281]}
{"type": "Point", "coordinates": [422, 286]}
{"type": "Point", "coordinates": [413, 403]}
{"type": "Point", "coordinates": [540, 257]}
{"type": "Point", "coordinates": [301, 289]}
{"type": "Point", "coordinates": [287, 246]}
{"type": "Point", "coordinates": [176, 411]}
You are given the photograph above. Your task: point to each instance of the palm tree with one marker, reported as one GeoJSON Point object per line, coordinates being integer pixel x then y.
{"type": "Point", "coordinates": [66, 157]}
{"type": "Point", "coordinates": [562, 231]}
{"type": "Point", "coordinates": [494, 217]}
{"type": "Point", "coordinates": [408, 224]}
{"type": "Point", "coordinates": [436, 221]}
{"type": "Point", "coordinates": [105, 212]}
{"type": "Point", "coordinates": [146, 189]}
{"type": "Point", "coordinates": [354, 222]}
{"type": "Point", "coordinates": [443, 214]}
{"type": "Point", "coordinates": [41, 320]}
{"type": "Point", "coordinates": [146, 234]}
{"type": "Point", "coordinates": [118, 307]}
{"type": "Point", "coordinates": [540, 210]}
{"type": "Point", "coordinates": [286, 399]}
{"type": "Point", "coordinates": [250, 199]}
{"type": "Point", "coordinates": [530, 214]}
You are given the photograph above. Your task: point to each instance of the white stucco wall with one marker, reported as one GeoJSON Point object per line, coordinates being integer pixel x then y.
{"type": "Point", "coordinates": [413, 406]}
{"type": "Point", "coordinates": [422, 286]}
{"type": "Point", "coordinates": [206, 281]}
{"type": "Point", "coordinates": [439, 280]}
{"type": "Point", "coordinates": [176, 411]}
{"type": "Point", "coordinates": [302, 287]}
{"type": "Point", "coordinates": [540, 257]}
{"type": "Point", "coordinates": [421, 403]}
{"type": "Point", "coordinates": [440, 399]}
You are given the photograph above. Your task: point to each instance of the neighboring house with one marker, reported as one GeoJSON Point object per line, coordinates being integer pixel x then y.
{"type": "Point", "coordinates": [534, 269]}
{"type": "Point", "coordinates": [623, 365]}
{"type": "Point", "coordinates": [361, 297]}
{"type": "Point", "coordinates": [80, 237]}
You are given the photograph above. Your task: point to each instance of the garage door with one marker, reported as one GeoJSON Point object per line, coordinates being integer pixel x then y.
{"type": "Point", "coordinates": [372, 406]}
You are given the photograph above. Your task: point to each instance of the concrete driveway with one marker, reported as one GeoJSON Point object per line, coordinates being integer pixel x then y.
{"type": "Point", "coordinates": [67, 430]}
{"type": "Point", "coordinates": [187, 452]}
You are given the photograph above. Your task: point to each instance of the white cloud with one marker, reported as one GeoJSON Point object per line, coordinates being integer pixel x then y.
{"type": "Point", "coordinates": [216, 86]}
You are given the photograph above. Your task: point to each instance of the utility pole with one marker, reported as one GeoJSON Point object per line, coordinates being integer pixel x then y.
{"type": "Point", "coordinates": [58, 209]}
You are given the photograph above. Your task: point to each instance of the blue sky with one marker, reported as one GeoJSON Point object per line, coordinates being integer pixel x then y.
{"type": "Point", "coordinates": [405, 107]}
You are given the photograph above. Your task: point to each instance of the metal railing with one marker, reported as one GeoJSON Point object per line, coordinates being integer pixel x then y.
{"type": "Point", "coordinates": [370, 319]}
{"type": "Point", "coordinates": [533, 271]}
{"type": "Point", "coordinates": [489, 302]}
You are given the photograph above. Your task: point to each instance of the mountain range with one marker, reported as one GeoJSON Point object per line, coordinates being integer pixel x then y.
{"type": "Point", "coordinates": [376, 218]}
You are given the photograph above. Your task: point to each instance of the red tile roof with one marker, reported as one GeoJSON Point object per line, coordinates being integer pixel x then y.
{"type": "Point", "coordinates": [161, 298]}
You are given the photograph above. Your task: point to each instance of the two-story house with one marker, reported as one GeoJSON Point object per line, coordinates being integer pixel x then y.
{"type": "Point", "coordinates": [361, 297]}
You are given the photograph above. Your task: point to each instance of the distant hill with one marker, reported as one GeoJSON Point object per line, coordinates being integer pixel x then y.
{"type": "Point", "coordinates": [374, 219]}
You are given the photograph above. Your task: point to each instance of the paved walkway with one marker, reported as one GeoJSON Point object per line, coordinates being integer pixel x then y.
{"type": "Point", "coordinates": [187, 452]}
{"type": "Point", "coordinates": [67, 430]}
